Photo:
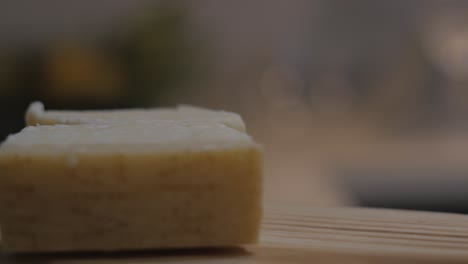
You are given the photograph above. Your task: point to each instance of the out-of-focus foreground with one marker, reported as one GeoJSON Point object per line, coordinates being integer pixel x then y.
{"type": "Point", "coordinates": [355, 101]}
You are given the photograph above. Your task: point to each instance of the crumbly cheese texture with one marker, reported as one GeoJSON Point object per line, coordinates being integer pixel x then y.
{"type": "Point", "coordinates": [37, 115]}
{"type": "Point", "coordinates": [107, 187]}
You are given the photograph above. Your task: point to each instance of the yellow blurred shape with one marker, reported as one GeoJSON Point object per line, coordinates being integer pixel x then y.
{"type": "Point", "coordinates": [75, 72]}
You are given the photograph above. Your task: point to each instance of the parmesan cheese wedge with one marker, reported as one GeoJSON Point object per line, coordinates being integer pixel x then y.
{"type": "Point", "coordinates": [114, 186]}
{"type": "Point", "coordinates": [37, 115]}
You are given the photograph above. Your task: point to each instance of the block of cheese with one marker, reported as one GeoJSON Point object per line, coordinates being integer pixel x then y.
{"type": "Point", "coordinates": [37, 115]}
{"type": "Point", "coordinates": [106, 187]}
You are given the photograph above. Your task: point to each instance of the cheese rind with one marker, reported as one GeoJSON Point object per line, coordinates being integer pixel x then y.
{"type": "Point", "coordinates": [37, 115]}
{"type": "Point", "coordinates": [118, 186]}
{"type": "Point", "coordinates": [162, 136]}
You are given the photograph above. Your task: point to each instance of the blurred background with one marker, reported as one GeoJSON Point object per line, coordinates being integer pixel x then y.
{"type": "Point", "coordinates": [356, 102]}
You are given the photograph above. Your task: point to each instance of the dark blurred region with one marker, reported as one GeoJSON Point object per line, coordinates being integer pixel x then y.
{"type": "Point", "coordinates": [355, 101]}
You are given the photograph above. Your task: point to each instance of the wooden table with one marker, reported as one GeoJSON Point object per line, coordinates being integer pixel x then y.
{"type": "Point", "coordinates": [301, 234]}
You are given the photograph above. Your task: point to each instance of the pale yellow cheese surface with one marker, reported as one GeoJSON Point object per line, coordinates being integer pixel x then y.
{"type": "Point", "coordinates": [37, 115]}
{"type": "Point", "coordinates": [167, 184]}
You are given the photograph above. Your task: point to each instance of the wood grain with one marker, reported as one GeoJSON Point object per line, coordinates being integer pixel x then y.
{"type": "Point", "coordinates": [301, 234]}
